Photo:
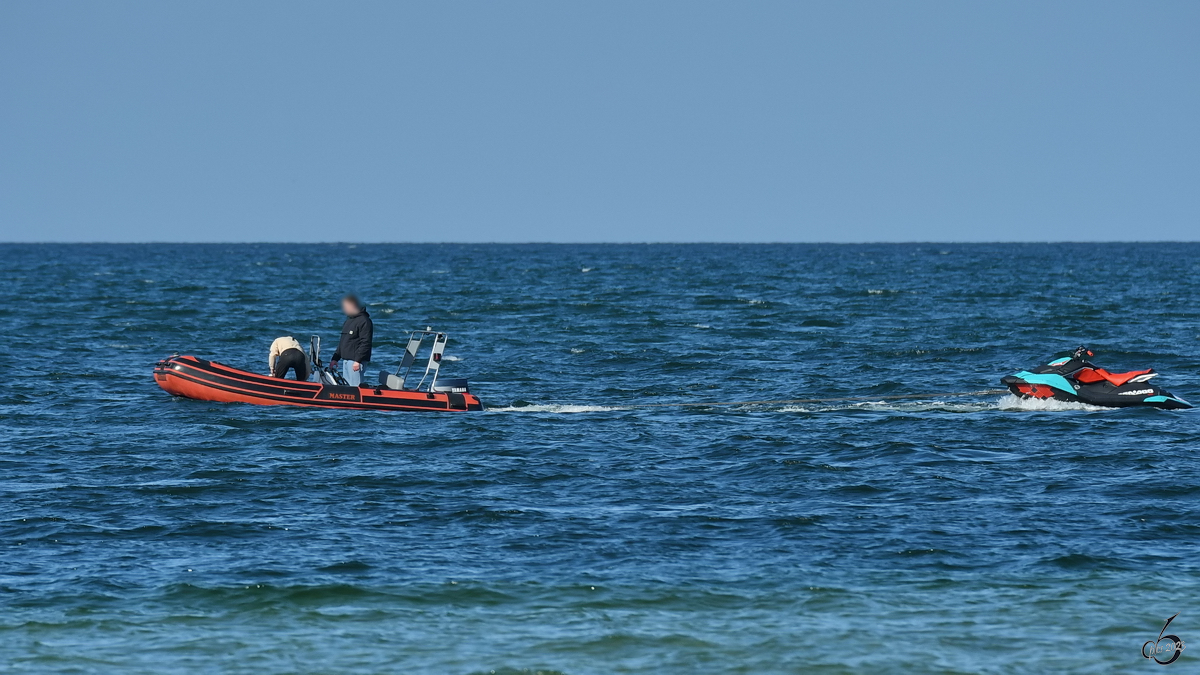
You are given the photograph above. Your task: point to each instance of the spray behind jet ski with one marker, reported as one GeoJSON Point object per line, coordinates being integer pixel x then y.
{"type": "Point", "coordinates": [1074, 379]}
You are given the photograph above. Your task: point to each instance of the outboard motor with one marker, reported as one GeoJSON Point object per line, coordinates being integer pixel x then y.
{"type": "Point", "coordinates": [454, 385]}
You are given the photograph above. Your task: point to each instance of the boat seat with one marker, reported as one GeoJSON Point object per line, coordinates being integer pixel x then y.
{"type": "Point", "coordinates": [389, 381]}
{"type": "Point", "coordinates": [1090, 375]}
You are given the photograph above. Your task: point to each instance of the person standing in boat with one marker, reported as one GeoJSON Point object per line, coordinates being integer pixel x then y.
{"type": "Point", "coordinates": [354, 349]}
{"type": "Point", "coordinates": [286, 355]}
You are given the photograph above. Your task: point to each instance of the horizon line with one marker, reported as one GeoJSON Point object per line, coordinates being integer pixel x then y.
{"type": "Point", "coordinates": [590, 243]}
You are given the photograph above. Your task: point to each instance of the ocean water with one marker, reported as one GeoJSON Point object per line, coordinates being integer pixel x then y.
{"type": "Point", "coordinates": [566, 530]}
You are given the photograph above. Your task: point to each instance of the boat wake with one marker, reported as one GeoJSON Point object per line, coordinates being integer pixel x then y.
{"type": "Point", "coordinates": [1007, 402]}
{"type": "Point", "coordinates": [897, 407]}
{"type": "Point", "coordinates": [557, 408]}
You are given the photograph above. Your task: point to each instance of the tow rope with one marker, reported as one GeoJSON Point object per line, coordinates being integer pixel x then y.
{"type": "Point", "coordinates": [797, 401]}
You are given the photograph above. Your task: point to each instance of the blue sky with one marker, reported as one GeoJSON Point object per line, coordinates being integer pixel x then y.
{"type": "Point", "coordinates": [603, 121]}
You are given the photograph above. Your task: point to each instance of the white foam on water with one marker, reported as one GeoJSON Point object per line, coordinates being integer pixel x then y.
{"type": "Point", "coordinates": [1006, 402]}
{"type": "Point", "coordinates": [576, 350]}
{"type": "Point", "coordinates": [556, 408]}
{"type": "Point", "coordinates": [448, 357]}
{"type": "Point", "coordinates": [585, 270]}
{"type": "Point", "coordinates": [896, 406]}
{"type": "Point", "coordinates": [701, 326]}
{"type": "Point", "coordinates": [1012, 402]}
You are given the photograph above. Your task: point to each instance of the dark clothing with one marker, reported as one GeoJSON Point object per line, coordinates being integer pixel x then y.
{"type": "Point", "coordinates": [294, 360]}
{"type": "Point", "coordinates": [356, 339]}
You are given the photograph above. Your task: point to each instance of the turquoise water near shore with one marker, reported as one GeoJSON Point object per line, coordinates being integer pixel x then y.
{"type": "Point", "coordinates": [564, 530]}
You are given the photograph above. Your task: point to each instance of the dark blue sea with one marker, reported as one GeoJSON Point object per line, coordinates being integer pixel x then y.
{"type": "Point", "coordinates": [565, 530]}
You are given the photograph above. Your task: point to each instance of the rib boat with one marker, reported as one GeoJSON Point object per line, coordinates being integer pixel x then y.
{"type": "Point", "coordinates": [205, 380]}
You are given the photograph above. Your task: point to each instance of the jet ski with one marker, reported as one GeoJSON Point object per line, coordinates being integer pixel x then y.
{"type": "Point", "coordinates": [192, 377]}
{"type": "Point", "coordinates": [1076, 380]}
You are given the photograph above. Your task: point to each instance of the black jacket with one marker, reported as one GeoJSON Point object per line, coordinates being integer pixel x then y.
{"type": "Point", "coordinates": [355, 344]}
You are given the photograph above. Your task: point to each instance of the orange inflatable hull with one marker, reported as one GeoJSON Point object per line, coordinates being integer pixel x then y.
{"type": "Point", "coordinates": [203, 380]}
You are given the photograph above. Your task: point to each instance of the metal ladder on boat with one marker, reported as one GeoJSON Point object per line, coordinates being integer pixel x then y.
{"type": "Point", "coordinates": [398, 379]}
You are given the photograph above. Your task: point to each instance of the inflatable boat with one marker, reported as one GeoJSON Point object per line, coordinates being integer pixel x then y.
{"type": "Point", "coordinates": [201, 379]}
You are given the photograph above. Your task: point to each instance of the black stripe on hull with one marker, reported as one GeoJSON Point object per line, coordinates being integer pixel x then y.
{"type": "Point", "coordinates": [252, 380]}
